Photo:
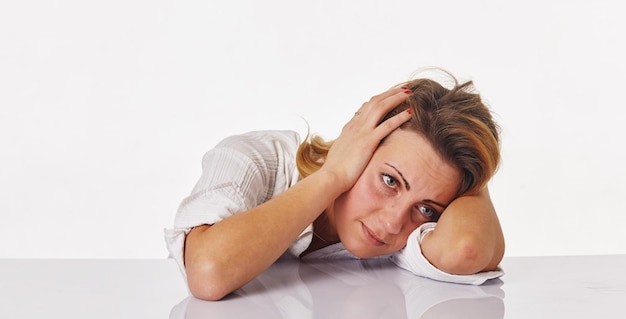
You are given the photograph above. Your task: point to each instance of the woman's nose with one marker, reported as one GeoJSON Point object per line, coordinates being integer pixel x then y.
{"type": "Point", "coordinates": [393, 219]}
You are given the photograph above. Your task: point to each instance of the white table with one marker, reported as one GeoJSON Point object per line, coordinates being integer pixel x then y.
{"type": "Point", "coordinates": [533, 287]}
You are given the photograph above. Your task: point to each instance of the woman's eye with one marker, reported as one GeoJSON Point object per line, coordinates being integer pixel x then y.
{"type": "Point", "coordinates": [390, 181]}
{"type": "Point", "coordinates": [427, 212]}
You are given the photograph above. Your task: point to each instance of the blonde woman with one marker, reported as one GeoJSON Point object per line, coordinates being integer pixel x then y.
{"type": "Point", "coordinates": [406, 179]}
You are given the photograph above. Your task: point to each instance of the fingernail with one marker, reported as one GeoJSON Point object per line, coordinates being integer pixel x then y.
{"type": "Point", "coordinates": [409, 111]}
{"type": "Point", "coordinates": [408, 91]}
{"type": "Point", "coordinates": [404, 87]}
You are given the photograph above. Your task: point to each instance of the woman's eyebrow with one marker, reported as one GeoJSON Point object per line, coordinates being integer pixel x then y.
{"type": "Point", "coordinates": [408, 187]}
{"type": "Point", "coordinates": [430, 201]}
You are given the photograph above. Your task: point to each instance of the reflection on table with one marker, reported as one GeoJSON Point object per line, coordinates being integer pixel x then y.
{"type": "Point", "coordinates": [373, 288]}
{"type": "Point", "coordinates": [570, 287]}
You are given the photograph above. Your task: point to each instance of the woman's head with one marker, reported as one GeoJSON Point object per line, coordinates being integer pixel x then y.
{"type": "Point", "coordinates": [458, 126]}
{"type": "Point", "coordinates": [447, 149]}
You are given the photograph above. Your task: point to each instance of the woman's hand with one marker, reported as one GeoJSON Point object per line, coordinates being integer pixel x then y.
{"type": "Point", "coordinates": [359, 138]}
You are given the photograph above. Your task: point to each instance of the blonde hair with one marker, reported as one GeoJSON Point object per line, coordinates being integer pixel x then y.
{"type": "Point", "coordinates": [455, 121]}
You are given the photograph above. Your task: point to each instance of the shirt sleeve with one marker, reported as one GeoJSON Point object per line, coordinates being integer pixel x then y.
{"type": "Point", "coordinates": [240, 173]}
{"type": "Point", "coordinates": [412, 259]}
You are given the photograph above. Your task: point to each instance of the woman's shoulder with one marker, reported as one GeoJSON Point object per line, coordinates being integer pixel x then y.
{"type": "Point", "coordinates": [266, 139]}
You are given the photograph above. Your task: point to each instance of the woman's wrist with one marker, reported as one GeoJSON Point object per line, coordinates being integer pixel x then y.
{"type": "Point", "coordinates": [334, 183]}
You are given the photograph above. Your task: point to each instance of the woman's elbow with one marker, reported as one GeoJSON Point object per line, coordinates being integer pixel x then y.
{"type": "Point", "coordinates": [206, 282]}
{"type": "Point", "coordinates": [469, 257]}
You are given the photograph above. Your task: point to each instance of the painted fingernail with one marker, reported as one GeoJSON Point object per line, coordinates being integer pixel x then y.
{"type": "Point", "coordinates": [408, 91]}
{"type": "Point", "coordinates": [409, 111]}
{"type": "Point", "coordinates": [404, 87]}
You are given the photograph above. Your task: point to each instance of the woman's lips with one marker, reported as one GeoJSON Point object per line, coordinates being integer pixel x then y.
{"type": "Point", "coordinates": [371, 237]}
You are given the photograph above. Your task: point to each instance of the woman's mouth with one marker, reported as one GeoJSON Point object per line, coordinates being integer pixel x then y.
{"type": "Point", "coordinates": [371, 237]}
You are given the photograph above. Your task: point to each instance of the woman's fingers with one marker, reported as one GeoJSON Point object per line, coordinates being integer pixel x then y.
{"type": "Point", "coordinates": [376, 108]}
{"type": "Point", "coordinates": [385, 128]}
{"type": "Point", "coordinates": [388, 93]}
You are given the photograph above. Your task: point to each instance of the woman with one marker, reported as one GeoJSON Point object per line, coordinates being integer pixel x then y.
{"type": "Point", "coordinates": [414, 155]}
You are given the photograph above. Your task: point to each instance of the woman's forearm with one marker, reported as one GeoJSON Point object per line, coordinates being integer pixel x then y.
{"type": "Point", "coordinates": [468, 237]}
{"type": "Point", "coordinates": [225, 256]}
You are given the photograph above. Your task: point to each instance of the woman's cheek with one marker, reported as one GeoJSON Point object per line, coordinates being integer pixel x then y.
{"type": "Point", "coordinates": [376, 188]}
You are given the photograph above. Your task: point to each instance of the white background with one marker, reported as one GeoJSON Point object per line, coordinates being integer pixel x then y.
{"type": "Point", "coordinates": [106, 107]}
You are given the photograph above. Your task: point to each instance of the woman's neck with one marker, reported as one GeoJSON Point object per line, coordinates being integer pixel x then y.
{"type": "Point", "coordinates": [324, 234]}
{"type": "Point", "coordinates": [324, 228]}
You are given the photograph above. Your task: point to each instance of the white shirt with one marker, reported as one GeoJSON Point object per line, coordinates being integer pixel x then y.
{"type": "Point", "coordinates": [244, 171]}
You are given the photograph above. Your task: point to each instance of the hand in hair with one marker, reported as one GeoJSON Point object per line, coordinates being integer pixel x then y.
{"type": "Point", "coordinates": [359, 138]}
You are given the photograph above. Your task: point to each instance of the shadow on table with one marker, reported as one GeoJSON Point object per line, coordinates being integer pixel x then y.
{"type": "Point", "coordinates": [372, 288]}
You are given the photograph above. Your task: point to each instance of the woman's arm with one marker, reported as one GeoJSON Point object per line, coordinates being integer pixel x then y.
{"type": "Point", "coordinates": [225, 256]}
{"type": "Point", "coordinates": [468, 238]}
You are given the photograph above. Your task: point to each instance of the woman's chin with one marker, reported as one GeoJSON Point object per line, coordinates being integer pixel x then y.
{"type": "Point", "coordinates": [360, 251]}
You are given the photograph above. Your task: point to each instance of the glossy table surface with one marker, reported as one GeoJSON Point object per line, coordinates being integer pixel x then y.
{"type": "Point", "coordinates": [533, 287]}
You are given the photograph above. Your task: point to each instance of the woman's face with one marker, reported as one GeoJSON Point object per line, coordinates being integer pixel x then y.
{"type": "Point", "coordinates": [405, 184]}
